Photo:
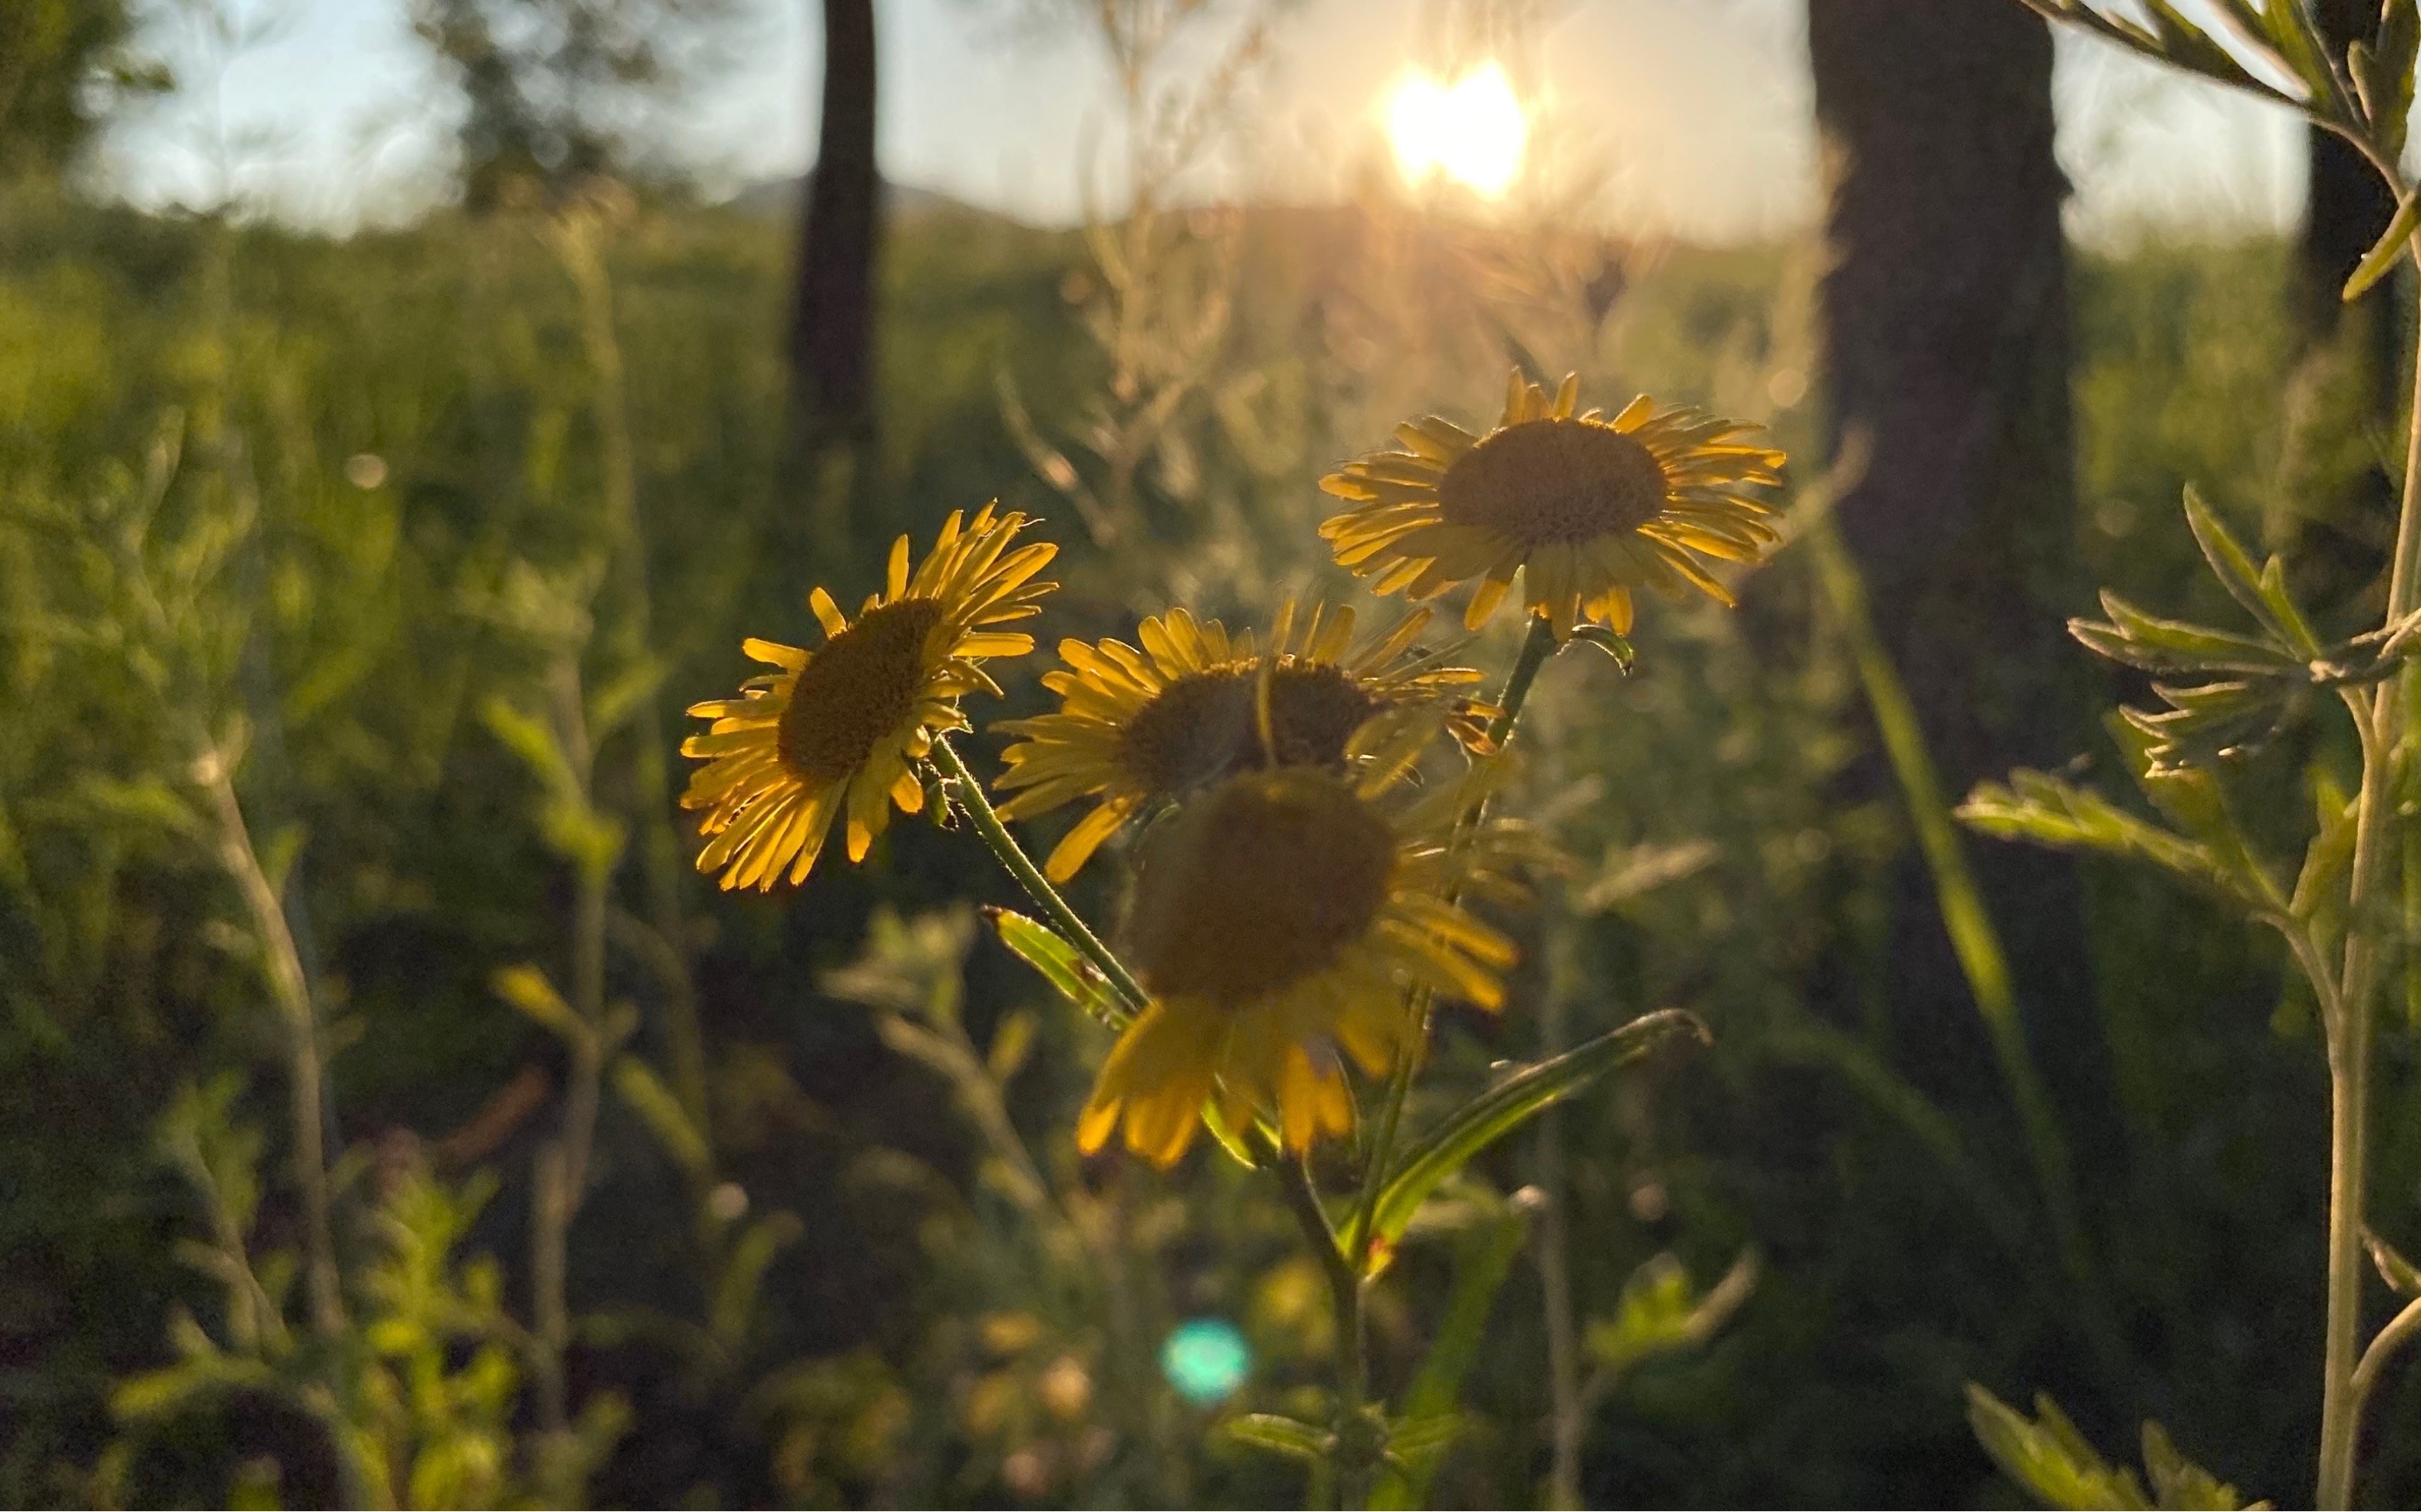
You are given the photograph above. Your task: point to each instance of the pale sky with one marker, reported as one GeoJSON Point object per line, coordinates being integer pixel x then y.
{"type": "Point", "coordinates": [1694, 114]}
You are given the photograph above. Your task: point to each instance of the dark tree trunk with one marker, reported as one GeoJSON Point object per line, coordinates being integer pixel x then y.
{"type": "Point", "coordinates": [1946, 322]}
{"type": "Point", "coordinates": [832, 321]}
{"type": "Point", "coordinates": [2348, 206]}
{"type": "Point", "coordinates": [2340, 538]}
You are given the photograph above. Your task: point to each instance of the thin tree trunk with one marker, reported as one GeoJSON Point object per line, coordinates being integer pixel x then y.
{"type": "Point", "coordinates": [1945, 323]}
{"type": "Point", "coordinates": [831, 339]}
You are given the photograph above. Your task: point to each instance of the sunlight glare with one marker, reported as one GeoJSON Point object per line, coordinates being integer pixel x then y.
{"type": "Point", "coordinates": [1473, 130]}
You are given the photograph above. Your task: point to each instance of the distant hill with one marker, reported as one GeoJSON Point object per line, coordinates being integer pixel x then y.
{"type": "Point", "coordinates": [778, 199]}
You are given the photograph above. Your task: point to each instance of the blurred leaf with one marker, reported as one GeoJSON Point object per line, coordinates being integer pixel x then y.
{"type": "Point", "coordinates": [1661, 1312]}
{"type": "Point", "coordinates": [1643, 870]}
{"type": "Point", "coordinates": [609, 706]}
{"type": "Point", "coordinates": [647, 1095]}
{"type": "Point", "coordinates": [530, 739]}
{"type": "Point", "coordinates": [1061, 964]}
{"type": "Point", "coordinates": [743, 1273]}
{"type": "Point", "coordinates": [2051, 1458]}
{"type": "Point", "coordinates": [1280, 1435]}
{"type": "Point", "coordinates": [145, 801]}
{"type": "Point", "coordinates": [1238, 1149]}
{"type": "Point", "coordinates": [527, 989]}
{"type": "Point", "coordinates": [1503, 1108]}
{"type": "Point", "coordinates": [2042, 808]}
{"type": "Point", "coordinates": [1481, 1263]}
{"type": "Point", "coordinates": [2381, 71]}
{"type": "Point", "coordinates": [2319, 886]}
{"type": "Point", "coordinates": [1013, 1042]}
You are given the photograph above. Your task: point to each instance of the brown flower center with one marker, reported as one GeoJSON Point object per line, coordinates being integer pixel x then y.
{"type": "Point", "coordinates": [860, 687]}
{"type": "Point", "coordinates": [1258, 884]}
{"type": "Point", "coordinates": [1203, 726]}
{"type": "Point", "coordinates": [1554, 482]}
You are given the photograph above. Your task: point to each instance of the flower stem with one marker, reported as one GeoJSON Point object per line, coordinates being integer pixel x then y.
{"type": "Point", "coordinates": [969, 795]}
{"type": "Point", "coordinates": [1536, 649]}
{"type": "Point", "coordinates": [1352, 1479]}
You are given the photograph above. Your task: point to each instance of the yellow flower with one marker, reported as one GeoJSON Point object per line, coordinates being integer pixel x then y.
{"type": "Point", "coordinates": [1278, 921]}
{"type": "Point", "coordinates": [1584, 507]}
{"type": "Point", "coordinates": [834, 730]}
{"type": "Point", "coordinates": [1137, 727]}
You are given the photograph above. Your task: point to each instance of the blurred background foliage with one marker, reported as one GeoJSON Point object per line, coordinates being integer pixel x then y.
{"type": "Point", "coordinates": [426, 535]}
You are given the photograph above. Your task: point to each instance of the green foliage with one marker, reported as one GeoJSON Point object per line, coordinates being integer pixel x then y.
{"type": "Point", "coordinates": [1062, 965]}
{"type": "Point", "coordinates": [1441, 1150]}
{"type": "Point", "coordinates": [2051, 1458]}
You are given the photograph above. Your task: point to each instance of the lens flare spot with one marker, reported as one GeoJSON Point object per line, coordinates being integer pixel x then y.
{"type": "Point", "coordinates": [1205, 1359]}
{"type": "Point", "coordinates": [1473, 130]}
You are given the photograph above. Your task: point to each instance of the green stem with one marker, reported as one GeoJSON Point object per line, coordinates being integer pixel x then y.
{"type": "Point", "coordinates": [2350, 1031]}
{"type": "Point", "coordinates": [1345, 1296]}
{"type": "Point", "coordinates": [1537, 647]}
{"type": "Point", "coordinates": [969, 795]}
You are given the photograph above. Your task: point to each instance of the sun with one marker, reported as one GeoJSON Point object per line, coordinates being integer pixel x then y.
{"type": "Point", "coordinates": [1472, 130]}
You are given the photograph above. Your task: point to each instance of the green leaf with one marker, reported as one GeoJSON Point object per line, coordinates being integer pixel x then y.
{"type": "Point", "coordinates": [1232, 1139]}
{"type": "Point", "coordinates": [1661, 1312]}
{"type": "Point", "coordinates": [2329, 856]}
{"type": "Point", "coordinates": [1503, 1108]}
{"type": "Point", "coordinates": [531, 740]}
{"type": "Point", "coordinates": [1012, 1042]}
{"type": "Point", "coordinates": [2390, 74]}
{"type": "Point", "coordinates": [1061, 964]}
{"type": "Point", "coordinates": [622, 697]}
{"type": "Point", "coordinates": [1616, 646]}
{"type": "Point", "coordinates": [527, 989]}
{"type": "Point", "coordinates": [2179, 1483]}
{"type": "Point", "coordinates": [647, 1096]}
{"type": "Point", "coordinates": [2043, 809]}
{"type": "Point", "coordinates": [2051, 1458]}
{"type": "Point", "coordinates": [2301, 47]}
{"type": "Point", "coordinates": [743, 1273]}
{"type": "Point", "coordinates": [2388, 250]}
{"type": "Point", "coordinates": [1281, 1435]}
{"type": "Point", "coordinates": [2158, 644]}
{"type": "Point", "coordinates": [2233, 566]}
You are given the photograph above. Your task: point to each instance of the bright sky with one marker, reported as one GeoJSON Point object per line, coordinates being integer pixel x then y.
{"type": "Point", "coordinates": [1696, 114]}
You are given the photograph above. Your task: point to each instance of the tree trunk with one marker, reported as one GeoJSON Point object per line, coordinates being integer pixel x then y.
{"type": "Point", "coordinates": [2348, 206]}
{"type": "Point", "coordinates": [832, 321]}
{"type": "Point", "coordinates": [2341, 495]}
{"type": "Point", "coordinates": [1946, 322]}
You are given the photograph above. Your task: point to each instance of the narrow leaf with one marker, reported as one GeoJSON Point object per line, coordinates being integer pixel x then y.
{"type": "Point", "coordinates": [526, 988]}
{"type": "Point", "coordinates": [1061, 964]}
{"type": "Point", "coordinates": [1280, 1435]}
{"type": "Point", "coordinates": [656, 1106]}
{"type": "Point", "coordinates": [1505, 1107]}
{"type": "Point", "coordinates": [2394, 1267]}
{"type": "Point", "coordinates": [2382, 258]}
